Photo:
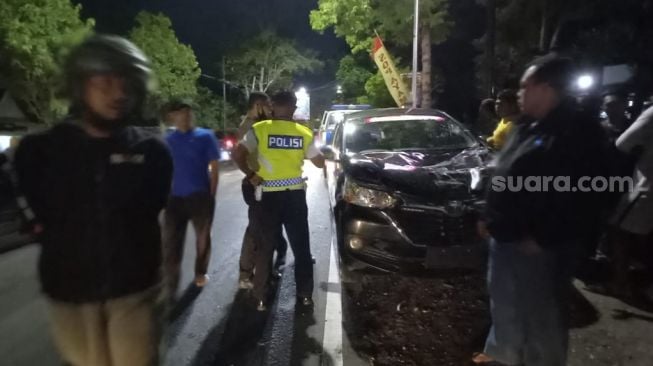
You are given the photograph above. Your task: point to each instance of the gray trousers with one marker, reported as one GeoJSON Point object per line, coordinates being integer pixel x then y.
{"type": "Point", "coordinates": [529, 303]}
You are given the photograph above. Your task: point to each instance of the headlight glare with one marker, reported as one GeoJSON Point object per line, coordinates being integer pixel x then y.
{"type": "Point", "coordinates": [366, 197]}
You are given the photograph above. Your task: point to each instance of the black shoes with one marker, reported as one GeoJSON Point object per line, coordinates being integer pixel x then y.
{"type": "Point", "coordinates": [305, 301]}
{"type": "Point", "coordinates": [261, 306]}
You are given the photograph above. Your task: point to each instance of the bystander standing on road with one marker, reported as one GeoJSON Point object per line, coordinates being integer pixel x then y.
{"type": "Point", "coordinates": [616, 121]}
{"type": "Point", "coordinates": [535, 236]}
{"type": "Point", "coordinates": [507, 109]}
{"type": "Point", "coordinates": [281, 145]}
{"type": "Point", "coordinates": [195, 155]}
{"type": "Point", "coordinates": [259, 109]}
{"type": "Point", "coordinates": [633, 218]}
{"type": "Point", "coordinates": [97, 187]}
{"type": "Point", "coordinates": [487, 118]}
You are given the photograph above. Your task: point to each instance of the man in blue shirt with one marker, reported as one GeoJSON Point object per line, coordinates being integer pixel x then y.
{"type": "Point", "coordinates": [195, 155]}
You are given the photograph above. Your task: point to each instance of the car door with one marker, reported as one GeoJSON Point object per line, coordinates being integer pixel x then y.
{"type": "Point", "coordinates": [322, 130]}
{"type": "Point", "coordinates": [334, 166]}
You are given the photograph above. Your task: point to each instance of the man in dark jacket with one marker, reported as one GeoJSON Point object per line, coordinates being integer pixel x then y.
{"type": "Point", "coordinates": [540, 210]}
{"type": "Point", "coordinates": [97, 186]}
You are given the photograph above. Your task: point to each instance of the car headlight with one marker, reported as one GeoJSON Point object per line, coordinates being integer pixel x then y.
{"type": "Point", "coordinates": [366, 197]}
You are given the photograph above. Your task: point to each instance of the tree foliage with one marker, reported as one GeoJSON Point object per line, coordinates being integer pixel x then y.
{"type": "Point", "coordinates": [268, 63]}
{"type": "Point", "coordinates": [598, 32]}
{"type": "Point", "coordinates": [376, 93]}
{"type": "Point", "coordinates": [352, 76]}
{"type": "Point", "coordinates": [208, 110]}
{"type": "Point", "coordinates": [174, 63]}
{"type": "Point", "coordinates": [34, 37]}
{"type": "Point", "coordinates": [356, 20]}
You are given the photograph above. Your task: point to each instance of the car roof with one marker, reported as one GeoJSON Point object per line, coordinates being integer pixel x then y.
{"type": "Point", "coordinates": [388, 112]}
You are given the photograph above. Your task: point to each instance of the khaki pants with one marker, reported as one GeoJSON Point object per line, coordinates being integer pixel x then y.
{"type": "Point", "coordinates": [119, 332]}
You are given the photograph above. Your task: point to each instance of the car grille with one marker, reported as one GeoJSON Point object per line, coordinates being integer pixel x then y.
{"type": "Point", "coordinates": [434, 228]}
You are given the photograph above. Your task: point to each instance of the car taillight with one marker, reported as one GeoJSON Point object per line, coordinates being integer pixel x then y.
{"type": "Point", "coordinates": [229, 143]}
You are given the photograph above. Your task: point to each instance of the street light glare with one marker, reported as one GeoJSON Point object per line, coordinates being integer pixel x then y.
{"type": "Point", "coordinates": [585, 82]}
{"type": "Point", "coordinates": [302, 90]}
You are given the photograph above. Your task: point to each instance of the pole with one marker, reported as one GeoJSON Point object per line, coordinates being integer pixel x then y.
{"type": "Point", "coordinates": [224, 96]}
{"type": "Point", "coordinates": [490, 47]}
{"type": "Point", "coordinates": [415, 53]}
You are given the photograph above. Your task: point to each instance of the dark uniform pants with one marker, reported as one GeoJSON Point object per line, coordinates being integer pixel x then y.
{"type": "Point", "coordinates": [288, 210]}
{"type": "Point", "coordinates": [252, 237]}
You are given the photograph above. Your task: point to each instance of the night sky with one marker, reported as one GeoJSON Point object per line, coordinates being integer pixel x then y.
{"type": "Point", "coordinates": [213, 27]}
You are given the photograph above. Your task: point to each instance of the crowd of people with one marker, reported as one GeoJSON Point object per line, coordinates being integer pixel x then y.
{"type": "Point", "coordinates": [539, 240]}
{"type": "Point", "coordinates": [93, 188]}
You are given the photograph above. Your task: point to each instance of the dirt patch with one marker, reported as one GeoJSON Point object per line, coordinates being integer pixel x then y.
{"type": "Point", "coordinates": [397, 320]}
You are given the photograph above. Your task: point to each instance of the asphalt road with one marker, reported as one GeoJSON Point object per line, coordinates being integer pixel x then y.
{"type": "Point", "coordinates": [215, 326]}
{"type": "Point", "coordinates": [218, 326]}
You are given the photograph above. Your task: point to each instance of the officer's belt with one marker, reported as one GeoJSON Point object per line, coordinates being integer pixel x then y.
{"type": "Point", "coordinates": [283, 183]}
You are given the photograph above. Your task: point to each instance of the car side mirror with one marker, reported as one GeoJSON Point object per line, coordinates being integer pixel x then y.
{"type": "Point", "coordinates": [328, 152]}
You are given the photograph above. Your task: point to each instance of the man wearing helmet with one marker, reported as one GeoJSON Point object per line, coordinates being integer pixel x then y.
{"type": "Point", "coordinates": [97, 184]}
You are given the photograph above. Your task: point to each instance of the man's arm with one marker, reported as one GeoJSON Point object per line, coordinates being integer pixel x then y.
{"type": "Point", "coordinates": [638, 134]}
{"type": "Point", "coordinates": [240, 155]}
{"type": "Point", "coordinates": [29, 160]}
{"type": "Point", "coordinates": [214, 176]}
{"type": "Point", "coordinates": [213, 157]}
{"type": "Point", "coordinates": [318, 161]}
{"type": "Point", "coordinates": [159, 175]}
{"type": "Point", "coordinates": [314, 155]}
{"type": "Point", "coordinates": [244, 127]}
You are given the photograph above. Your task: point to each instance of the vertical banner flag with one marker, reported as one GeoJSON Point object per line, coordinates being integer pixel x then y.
{"type": "Point", "coordinates": [393, 80]}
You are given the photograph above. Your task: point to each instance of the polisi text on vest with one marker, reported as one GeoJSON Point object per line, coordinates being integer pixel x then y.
{"type": "Point", "coordinates": [285, 142]}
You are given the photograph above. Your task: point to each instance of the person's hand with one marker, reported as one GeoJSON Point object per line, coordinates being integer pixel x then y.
{"type": "Point", "coordinates": [256, 180]}
{"type": "Point", "coordinates": [254, 112]}
{"type": "Point", "coordinates": [481, 227]}
{"type": "Point", "coordinates": [251, 114]}
{"type": "Point", "coordinates": [529, 247]}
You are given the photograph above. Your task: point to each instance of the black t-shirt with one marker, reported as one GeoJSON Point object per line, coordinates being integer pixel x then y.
{"type": "Point", "coordinates": [98, 200]}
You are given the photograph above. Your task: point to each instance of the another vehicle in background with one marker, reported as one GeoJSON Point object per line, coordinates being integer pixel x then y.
{"type": "Point", "coordinates": [227, 141]}
{"type": "Point", "coordinates": [336, 114]}
{"type": "Point", "coordinates": [406, 188]}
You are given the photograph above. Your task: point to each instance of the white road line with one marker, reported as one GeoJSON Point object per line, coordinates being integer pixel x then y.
{"type": "Point", "coordinates": [332, 342]}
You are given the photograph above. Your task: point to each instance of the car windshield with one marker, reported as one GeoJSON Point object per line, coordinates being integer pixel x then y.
{"type": "Point", "coordinates": [333, 118]}
{"type": "Point", "coordinates": [406, 133]}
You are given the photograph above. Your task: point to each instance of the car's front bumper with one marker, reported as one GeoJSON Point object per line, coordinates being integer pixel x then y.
{"type": "Point", "coordinates": [381, 239]}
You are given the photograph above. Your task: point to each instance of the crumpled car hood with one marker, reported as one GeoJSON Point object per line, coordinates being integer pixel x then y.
{"type": "Point", "coordinates": [434, 175]}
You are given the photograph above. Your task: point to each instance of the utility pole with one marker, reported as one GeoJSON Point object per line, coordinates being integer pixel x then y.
{"type": "Point", "coordinates": [224, 95]}
{"type": "Point", "coordinates": [415, 53]}
{"type": "Point", "coordinates": [490, 45]}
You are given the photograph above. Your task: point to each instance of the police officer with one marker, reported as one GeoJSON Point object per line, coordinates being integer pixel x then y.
{"type": "Point", "coordinates": [259, 109]}
{"type": "Point", "coordinates": [281, 145]}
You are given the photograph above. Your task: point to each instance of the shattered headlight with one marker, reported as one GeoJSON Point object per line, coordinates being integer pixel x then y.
{"type": "Point", "coordinates": [366, 197]}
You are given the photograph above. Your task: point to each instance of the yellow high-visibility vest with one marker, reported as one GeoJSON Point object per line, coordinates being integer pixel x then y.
{"type": "Point", "coordinates": [282, 146]}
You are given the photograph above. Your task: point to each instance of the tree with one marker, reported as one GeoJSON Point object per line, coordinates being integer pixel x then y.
{"type": "Point", "coordinates": [356, 21]}
{"type": "Point", "coordinates": [597, 32]}
{"type": "Point", "coordinates": [174, 63]}
{"type": "Point", "coordinates": [377, 93]}
{"type": "Point", "coordinates": [352, 77]}
{"type": "Point", "coordinates": [35, 35]}
{"type": "Point", "coordinates": [208, 110]}
{"type": "Point", "coordinates": [269, 62]}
